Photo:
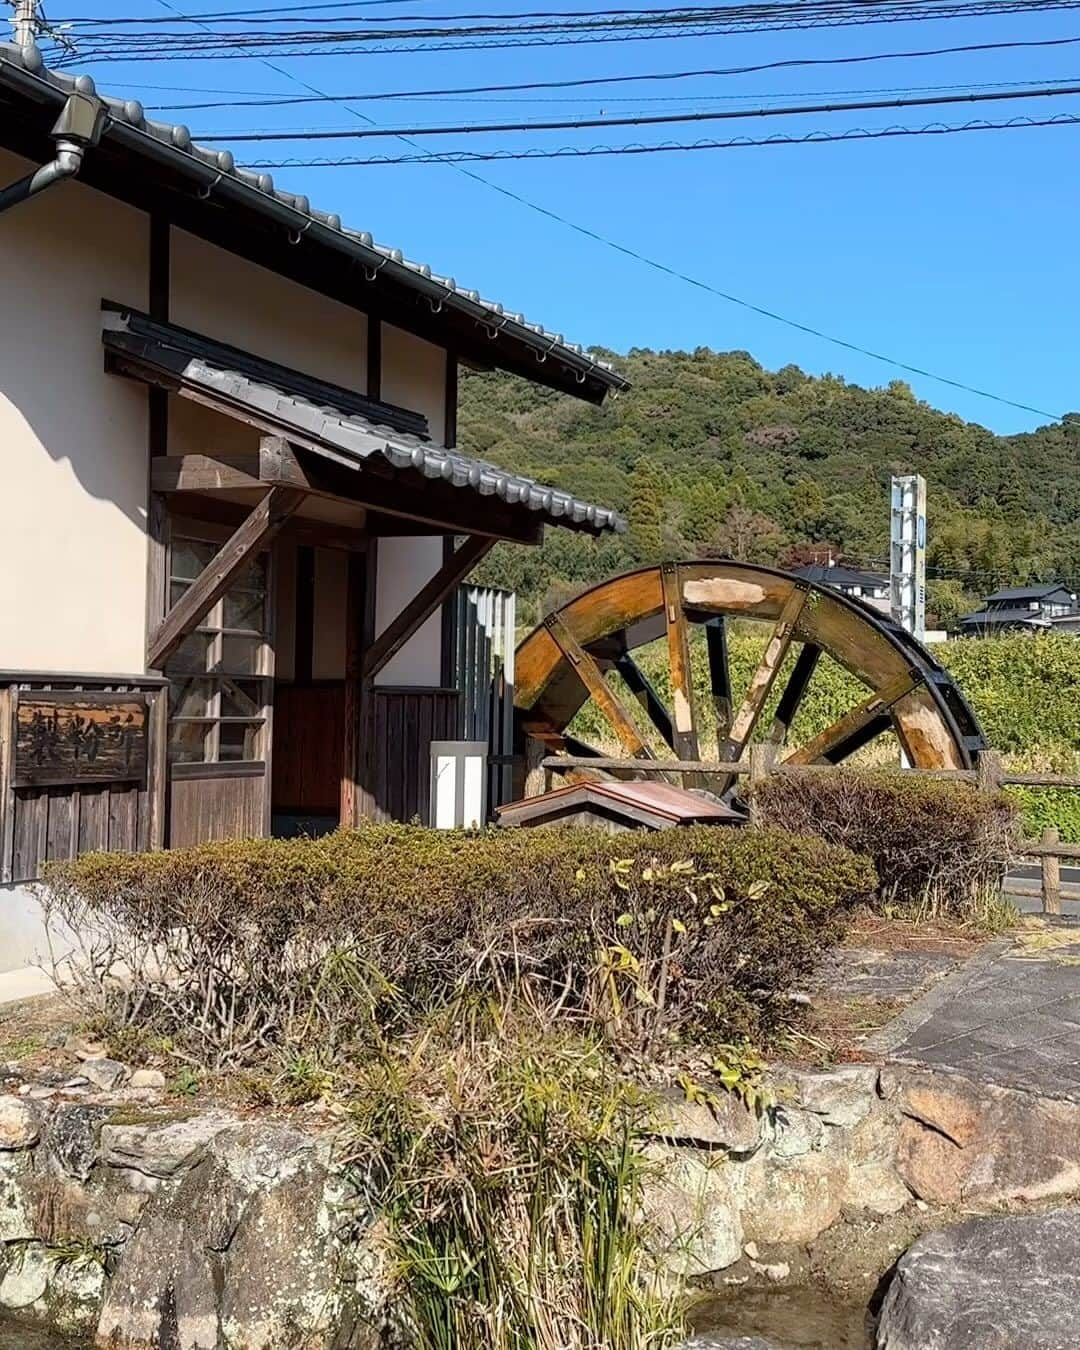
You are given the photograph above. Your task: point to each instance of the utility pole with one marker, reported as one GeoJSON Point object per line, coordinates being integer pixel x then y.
{"type": "Point", "coordinates": [24, 22]}
{"type": "Point", "coordinates": [907, 553]}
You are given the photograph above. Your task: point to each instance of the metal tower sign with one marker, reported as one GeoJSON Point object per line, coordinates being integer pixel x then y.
{"type": "Point", "coordinates": [907, 553]}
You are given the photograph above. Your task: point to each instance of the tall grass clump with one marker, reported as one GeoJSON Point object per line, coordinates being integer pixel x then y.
{"type": "Point", "coordinates": [509, 1169]}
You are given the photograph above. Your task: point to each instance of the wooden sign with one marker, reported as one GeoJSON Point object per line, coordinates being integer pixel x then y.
{"type": "Point", "coordinates": [79, 737]}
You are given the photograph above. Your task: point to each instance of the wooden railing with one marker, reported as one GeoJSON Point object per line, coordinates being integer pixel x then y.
{"type": "Point", "coordinates": [989, 774]}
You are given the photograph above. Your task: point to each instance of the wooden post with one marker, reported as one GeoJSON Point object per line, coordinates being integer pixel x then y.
{"type": "Point", "coordinates": [358, 751]}
{"type": "Point", "coordinates": [1051, 873]}
{"type": "Point", "coordinates": [990, 771]}
{"type": "Point", "coordinates": [762, 761]}
{"type": "Point", "coordinates": [157, 769]}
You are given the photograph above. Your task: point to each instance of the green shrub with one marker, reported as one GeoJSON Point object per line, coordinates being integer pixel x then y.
{"type": "Point", "coordinates": [1043, 807]}
{"type": "Point", "coordinates": [236, 947]}
{"type": "Point", "coordinates": [935, 844]}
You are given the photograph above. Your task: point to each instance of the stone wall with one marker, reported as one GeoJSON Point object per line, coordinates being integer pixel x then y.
{"type": "Point", "coordinates": [197, 1228]}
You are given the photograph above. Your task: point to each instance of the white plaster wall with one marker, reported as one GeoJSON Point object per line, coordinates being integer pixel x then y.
{"type": "Point", "coordinates": [405, 563]}
{"type": "Point", "coordinates": [22, 929]}
{"type": "Point", "coordinates": [239, 302]}
{"type": "Point", "coordinates": [414, 376]}
{"type": "Point", "coordinates": [72, 439]}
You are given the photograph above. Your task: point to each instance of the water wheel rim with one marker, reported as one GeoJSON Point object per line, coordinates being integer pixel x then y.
{"type": "Point", "coordinates": [932, 719]}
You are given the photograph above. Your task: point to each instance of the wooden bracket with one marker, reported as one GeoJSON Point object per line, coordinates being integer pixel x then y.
{"type": "Point", "coordinates": [425, 602]}
{"type": "Point", "coordinates": [265, 520]}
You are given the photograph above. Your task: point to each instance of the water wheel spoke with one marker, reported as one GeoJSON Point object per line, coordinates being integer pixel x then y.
{"type": "Point", "coordinates": [719, 677]}
{"type": "Point", "coordinates": [794, 692]}
{"type": "Point", "coordinates": [682, 682]}
{"type": "Point", "coordinates": [764, 677]}
{"type": "Point", "coordinates": [641, 687]}
{"type": "Point", "coordinates": [858, 726]}
{"type": "Point", "coordinates": [598, 689]}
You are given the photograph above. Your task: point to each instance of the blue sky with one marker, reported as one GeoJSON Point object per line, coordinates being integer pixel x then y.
{"type": "Point", "coordinates": [953, 253]}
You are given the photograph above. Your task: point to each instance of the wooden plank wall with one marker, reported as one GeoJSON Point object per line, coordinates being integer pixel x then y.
{"type": "Point", "coordinates": [309, 730]}
{"type": "Point", "coordinates": [212, 806]}
{"type": "Point", "coordinates": [309, 736]}
{"type": "Point", "coordinates": [50, 824]}
{"type": "Point", "coordinates": [406, 722]}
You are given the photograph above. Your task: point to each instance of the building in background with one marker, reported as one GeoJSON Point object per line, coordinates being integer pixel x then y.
{"type": "Point", "coordinates": [1040, 608]}
{"type": "Point", "coordinates": [871, 588]}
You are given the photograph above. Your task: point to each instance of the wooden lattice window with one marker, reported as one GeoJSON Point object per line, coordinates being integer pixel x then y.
{"type": "Point", "coordinates": [220, 685]}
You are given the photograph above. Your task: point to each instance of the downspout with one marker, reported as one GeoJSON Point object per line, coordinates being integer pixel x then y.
{"type": "Point", "coordinates": [79, 125]}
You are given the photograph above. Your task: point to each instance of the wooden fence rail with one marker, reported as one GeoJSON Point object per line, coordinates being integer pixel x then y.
{"type": "Point", "coordinates": [989, 774]}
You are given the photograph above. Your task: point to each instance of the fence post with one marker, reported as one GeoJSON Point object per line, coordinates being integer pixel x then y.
{"type": "Point", "coordinates": [762, 761]}
{"type": "Point", "coordinates": [1051, 873]}
{"type": "Point", "coordinates": [990, 770]}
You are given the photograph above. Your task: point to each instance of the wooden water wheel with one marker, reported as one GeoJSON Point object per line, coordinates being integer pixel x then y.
{"type": "Point", "coordinates": [567, 659]}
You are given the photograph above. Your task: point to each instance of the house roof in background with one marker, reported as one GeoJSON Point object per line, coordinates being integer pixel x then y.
{"type": "Point", "coordinates": [324, 417]}
{"type": "Point", "coordinates": [480, 328]}
{"type": "Point", "coordinates": [1006, 615]}
{"type": "Point", "coordinates": [1036, 592]}
{"type": "Point", "coordinates": [839, 575]}
{"type": "Point", "coordinates": [659, 805]}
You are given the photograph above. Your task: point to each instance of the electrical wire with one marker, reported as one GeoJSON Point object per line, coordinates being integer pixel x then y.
{"type": "Point", "coordinates": [785, 16]}
{"type": "Point", "coordinates": [272, 101]}
{"type": "Point", "coordinates": [676, 274]}
{"type": "Point", "coordinates": [648, 119]}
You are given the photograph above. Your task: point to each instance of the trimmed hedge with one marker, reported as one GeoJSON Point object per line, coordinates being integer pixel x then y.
{"type": "Point", "coordinates": [933, 843]}
{"type": "Point", "coordinates": [235, 947]}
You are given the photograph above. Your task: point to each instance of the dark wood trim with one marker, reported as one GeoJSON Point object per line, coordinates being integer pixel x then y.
{"type": "Point", "coordinates": [8, 699]}
{"type": "Point", "coordinates": [425, 602]}
{"type": "Point", "coordinates": [157, 413]}
{"type": "Point", "coordinates": [374, 357]}
{"type": "Point", "coordinates": [448, 636]}
{"type": "Point", "coordinates": [358, 761]}
{"type": "Point", "coordinates": [304, 628]}
{"type": "Point", "coordinates": [254, 534]}
{"type": "Point", "coordinates": [253, 768]}
{"type": "Point", "coordinates": [160, 265]}
{"type": "Point", "coordinates": [450, 433]}
{"type": "Point", "coordinates": [450, 407]}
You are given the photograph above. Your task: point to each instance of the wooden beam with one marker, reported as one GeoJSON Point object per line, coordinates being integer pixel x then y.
{"type": "Point", "coordinates": [682, 682]}
{"type": "Point", "coordinates": [403, 494]}
{"type": "Point", "coordinates": [763, 678]}
{"type": "Point", "coordinates": [719, 677]}
{"type": "Point", "coordinates": [794, 691]}
{"type": "Point", "coordinates": [837, 736]}
{"type": "Point", "coordinates": [357, 759]}
{"type": "Point", "coordinates": [639, 685]}
{"type": "Point", "coordinates": [601, 693]}
{"type": "Point", "coordinates": [234, 555]}
{"type": "Point", "coordinates": [425, 602]}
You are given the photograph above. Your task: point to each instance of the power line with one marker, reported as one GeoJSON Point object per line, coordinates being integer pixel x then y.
{"type": "Point", "coordinates": [269, 101]}
{"type": "Point", "coordinates": [676, 24]}
{"type": "Point", "coordinates": [696, 282]}
{"type": "Point", "coordinates": [649, 119]}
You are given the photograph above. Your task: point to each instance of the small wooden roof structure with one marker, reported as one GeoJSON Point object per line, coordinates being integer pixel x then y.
{"type": "Point", "coordinates": [635, 805]}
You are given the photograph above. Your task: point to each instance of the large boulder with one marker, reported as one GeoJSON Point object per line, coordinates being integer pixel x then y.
{"type": "Point", "coordinates": [252, 1247]}
{"type": "Point", "coordinates": [988, 1284]}
{"type": "Point", "coordinates": [969, 1143]}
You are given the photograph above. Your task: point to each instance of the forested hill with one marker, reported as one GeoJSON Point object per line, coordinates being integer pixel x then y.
{"type": "Point", "coordinates": [711, 453]}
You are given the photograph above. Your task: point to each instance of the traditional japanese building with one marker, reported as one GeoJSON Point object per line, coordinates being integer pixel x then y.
{"type": "Point", "coordinates": [231, 511]}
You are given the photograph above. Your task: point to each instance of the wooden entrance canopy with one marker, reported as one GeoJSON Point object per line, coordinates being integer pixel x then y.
{"type": "Point", "coordinates": [321, 450]}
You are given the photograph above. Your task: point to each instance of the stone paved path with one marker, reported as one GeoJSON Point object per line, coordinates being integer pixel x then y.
{"type": "Point", "coordinates": [1011, 1015]}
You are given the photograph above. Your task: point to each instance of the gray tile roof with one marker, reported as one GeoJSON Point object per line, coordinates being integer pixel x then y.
{"type": "Point", "coordinates": [1036, 592]}
{"type": "Point", "coordinates": [1004, 615]}
{"type": "Point", "coordinates": [334, 425]}
{"type": "Point", "coordinates": [23, 68]}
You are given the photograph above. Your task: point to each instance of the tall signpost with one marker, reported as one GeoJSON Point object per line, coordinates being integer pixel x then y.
{"type": "Point", "coordinates": [907, 553]}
